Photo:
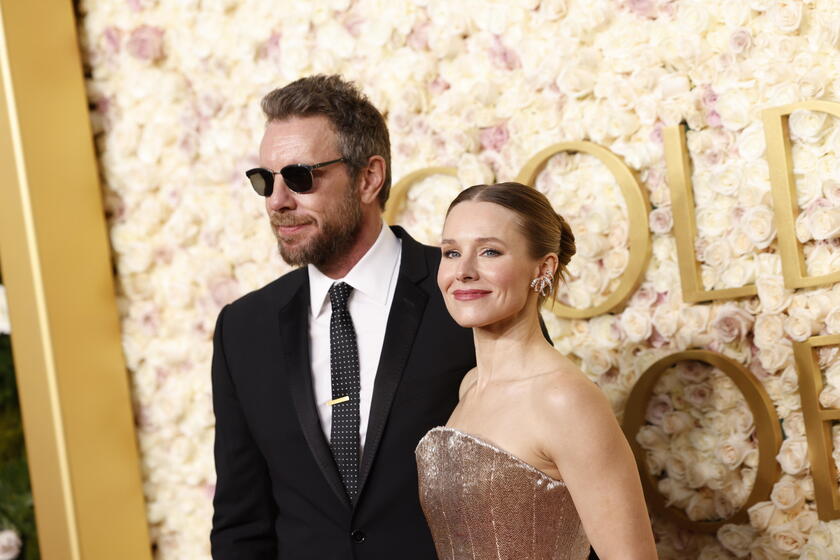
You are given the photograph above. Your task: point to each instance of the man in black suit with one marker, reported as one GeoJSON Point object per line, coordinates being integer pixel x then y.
{"type": "Point", "coordinates": [325, 379]}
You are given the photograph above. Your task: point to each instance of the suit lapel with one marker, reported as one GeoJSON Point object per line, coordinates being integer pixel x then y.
{"type": "Point", "coordinates": [294, 338]}
{"type": "Point", "coordinates": [404, 318]}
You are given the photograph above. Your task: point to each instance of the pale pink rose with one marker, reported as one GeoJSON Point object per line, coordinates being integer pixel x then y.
{"type": "Point", "coordinates": [698, 395]}
{"type": "Point", "coordinates": [657, 407]}
{"type": "Point", "coordinates": [740, 40]}
{"type": "Point", "coordinates": [504, 56]}
{"type": "Point", "coordinates": [692, 371]}
{"type": "Point", "coordinates": [676, 422]}
{"type": "Point", "coordinates": [732, 322]}
{"type": "Point", "coordinates": [736, 538]}
{"type": "Point", "coordinates": [146, 43]}
{"type": "Point", "coordinates": [10, 544]}
{"type": "Point", "coordinates": [642, 8]}
{"type": "Point", "coordinates": [661, 220]}
{"type": "Point", "coordinates": [787, 494]}
{"type": "Point", "coordinates": [494, 138]}
{"type": "Point", "coordinates": [793, 456]}
{"type": "Point", "coordinates": [645, 296]}
{"type": "Point", "coordinates": [794, 425]}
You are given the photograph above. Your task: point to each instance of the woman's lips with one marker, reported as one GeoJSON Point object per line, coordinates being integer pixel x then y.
{"type": "Point", "coordinates": [467, 295]}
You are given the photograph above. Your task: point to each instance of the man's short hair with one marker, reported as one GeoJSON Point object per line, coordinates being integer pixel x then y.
{"type": "Point", "coordinates": [359, 126]}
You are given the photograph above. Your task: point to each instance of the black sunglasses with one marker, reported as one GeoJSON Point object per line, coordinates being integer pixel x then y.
{"type": "Point", "coordinates": [298, 177]}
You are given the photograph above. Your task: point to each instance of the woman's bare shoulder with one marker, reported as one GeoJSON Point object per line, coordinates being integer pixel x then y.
{"type": "Point", "coordinates": [467, 382]}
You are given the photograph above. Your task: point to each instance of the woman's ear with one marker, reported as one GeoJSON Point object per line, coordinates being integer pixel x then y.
{"type": "Point", "coordinates": [549, 264]}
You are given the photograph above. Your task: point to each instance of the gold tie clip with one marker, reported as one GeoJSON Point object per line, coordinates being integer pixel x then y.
{"type": "Point", "coordinates": [338, 400]}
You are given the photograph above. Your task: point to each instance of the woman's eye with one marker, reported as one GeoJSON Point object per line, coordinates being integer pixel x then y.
{"type": "Point", "coordinates": [490, 253]}
{"type": "Point", "coordinates": [450, 254]}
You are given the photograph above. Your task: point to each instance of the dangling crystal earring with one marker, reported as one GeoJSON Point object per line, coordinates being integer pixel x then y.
{"type": "Point", "coordinates": [543, 284]}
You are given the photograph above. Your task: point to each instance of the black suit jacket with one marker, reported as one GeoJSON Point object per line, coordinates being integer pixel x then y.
{"type": "Point", "coordinates": [278, 492]}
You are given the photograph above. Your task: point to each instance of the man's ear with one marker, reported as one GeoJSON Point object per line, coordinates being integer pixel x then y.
{"type": "Point", "coordinates": [371, 179]}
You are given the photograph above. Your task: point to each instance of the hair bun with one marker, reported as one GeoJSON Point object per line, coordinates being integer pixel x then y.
{"type": "Point", "coordinates": [567, 242]}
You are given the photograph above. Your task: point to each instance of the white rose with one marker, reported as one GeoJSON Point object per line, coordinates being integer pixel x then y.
{"type": "Point", "coordinates": [676, 422]}
{"type": "Point", "coordinates": [814, 552]}
{"type": "Point", "coordinates": [713, 221]}
{"type": "Point", "coordinates": [738, 272]}
{"type": "Point", "coordinates": [807, 126]}
{"type": "Point", "coordinates": [597, 362]}
{"type": "Point", "coordinates": [787, 16]}
{"type": "Point", "coordinates": [636, 324]}
{"type": "Point", "coordinates": [605, 332]}
{"type": "Point", "coordinates": [793, 456]}
{"type": "Point", "coordinates": [736, 538]}
{"type": "Point", "coordinates": [751, 142]}
{"type": "Point", "coordinates": [732, 452]}
{"type": "Point", "coordinates": [799, 325]}
{"type": "Point", "coordinates": [701, 506]}
{"type": "Point", "coordinates": [716, 253]}
{"type": "Point", "coordinates": [9, 544]}
{"type": "Point", "coordinates": [832, 321]}
{"type": "Point", "coordinates": [735, 109]}
{"type": "Point", "coordinates": [768, 330]}
{"type": "Point", "coordinates": [787, 494]}
{"type": "Point", "coordinates": [774, 297]}
{"type": "Point", "coordinates": [758, 225]}
{"type": "Point", "coordinates": [775, 357]}
{"type": "Point", "coordinates": [473, 171]}
{"type": "Point", "coordinates": [787, 538]}
{"type": "Point", "coordinates": [761, 514]}
{"type": "Point", "coordinates": [665, 320]}
{"type": "Point", "coordinates": [615, 262]}
{"type": "Point", "coordinates": [652, 438]}
{"type": "Point", "coordinates": [824, 223]}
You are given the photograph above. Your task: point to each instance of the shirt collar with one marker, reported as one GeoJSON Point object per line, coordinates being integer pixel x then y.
{"type": "Point", "coordinates": [366, 276]}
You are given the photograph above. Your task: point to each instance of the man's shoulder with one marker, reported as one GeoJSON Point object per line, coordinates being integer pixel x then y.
{"type": "Point", "coordinates": [272, 296]}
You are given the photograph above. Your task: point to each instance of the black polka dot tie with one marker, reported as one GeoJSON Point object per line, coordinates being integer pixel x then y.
{"type": "Point", "coordinates": [344, 373]}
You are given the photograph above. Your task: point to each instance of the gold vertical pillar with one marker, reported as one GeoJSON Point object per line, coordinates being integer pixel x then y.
{"type": "Point", "coordinates": [71, 376]}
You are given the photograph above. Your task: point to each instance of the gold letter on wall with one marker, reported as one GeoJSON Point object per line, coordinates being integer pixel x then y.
{"type": "Point", "coordinates": [767, 431]}
{"type": "Point", "coordinates": [73, 385]}
{"type": "Point", "coordinates": [818, 423]}
{"type": "Point", "coordinates": [685, 225]}
{"type": "Point", "coordinates": [783, 185]}
{"type": "Point", "coordinates": [638, 209]}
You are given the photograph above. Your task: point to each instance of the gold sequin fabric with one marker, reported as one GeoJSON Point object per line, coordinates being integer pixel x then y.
{"type": "Point", "coordinates": [483, 503]}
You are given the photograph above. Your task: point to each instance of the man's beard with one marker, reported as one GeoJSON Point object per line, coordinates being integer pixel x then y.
{"type": "Point", "coordinates": [336, 236]}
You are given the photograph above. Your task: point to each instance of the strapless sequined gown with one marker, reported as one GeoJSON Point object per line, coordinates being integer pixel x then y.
{"type": "Point", "coordinates": [484, 503]}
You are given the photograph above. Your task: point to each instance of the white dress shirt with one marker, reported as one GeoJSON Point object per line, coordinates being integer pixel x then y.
{"type": "Point", "coordinates": [374, 279]}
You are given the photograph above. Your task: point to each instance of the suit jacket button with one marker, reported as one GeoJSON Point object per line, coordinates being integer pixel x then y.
{"type": "Point", "coordinates": [358, 536]}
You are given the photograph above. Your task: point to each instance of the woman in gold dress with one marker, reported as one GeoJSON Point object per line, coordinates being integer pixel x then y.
{"type": "Point", "coordinates": [532, 463]}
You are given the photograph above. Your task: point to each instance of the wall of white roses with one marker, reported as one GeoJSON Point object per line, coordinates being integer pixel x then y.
{"type": "Point", "coordinates": [482, 86]}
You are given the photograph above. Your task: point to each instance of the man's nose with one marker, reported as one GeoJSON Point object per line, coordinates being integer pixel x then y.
{"type": "Point", "coordinates": [281, 197]}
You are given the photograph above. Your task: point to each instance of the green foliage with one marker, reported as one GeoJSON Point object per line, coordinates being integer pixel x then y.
{"type": "Point", "coordinates": [16, 509]}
